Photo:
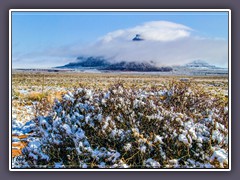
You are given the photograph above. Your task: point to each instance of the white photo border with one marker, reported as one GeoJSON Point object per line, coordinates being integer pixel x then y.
{"type": "Point", "coordinates": [118, 10]}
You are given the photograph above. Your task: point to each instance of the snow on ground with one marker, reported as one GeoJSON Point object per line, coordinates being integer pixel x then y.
{"type": "Point", "coordinates": [148, 126]}
{"type": "Point", "coordinates": [115, 128]}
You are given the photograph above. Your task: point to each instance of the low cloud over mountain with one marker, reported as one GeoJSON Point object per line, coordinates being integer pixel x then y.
{"type": "Point", "coordinates": [162, 42]}
{"type": "Point", "coordinates": [165, 43]}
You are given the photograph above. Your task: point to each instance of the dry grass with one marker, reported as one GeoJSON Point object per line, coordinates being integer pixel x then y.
{"type": "Point", "coordinates": [18, 146]}
{"type": "Point", "coordinates": [55, 85]}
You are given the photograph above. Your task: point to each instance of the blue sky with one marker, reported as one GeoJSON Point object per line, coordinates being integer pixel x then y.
{"type": "Point", "coordinates": [38, 36]}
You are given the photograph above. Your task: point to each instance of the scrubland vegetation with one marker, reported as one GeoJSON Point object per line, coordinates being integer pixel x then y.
{"type": "Point", "coordinates": [119, 121]}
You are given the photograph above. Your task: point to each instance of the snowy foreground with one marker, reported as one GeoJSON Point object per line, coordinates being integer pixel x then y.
{"type": "Point", "coordinates": [179, 126]}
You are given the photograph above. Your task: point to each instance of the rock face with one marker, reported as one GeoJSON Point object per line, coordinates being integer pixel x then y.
{"type": "Point", "coordinates": [137, 38]}
{"type": "Point", "coordinates": [100, 63]}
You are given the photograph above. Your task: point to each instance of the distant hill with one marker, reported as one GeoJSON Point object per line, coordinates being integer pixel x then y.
{"type": "Point", "coordinates": [100, 63]}
{"type": "Point", "coordinates": [136, 66]}
{"type": "Point", "coordinates": [199, 64]}
{"type": "Point", "coordinates": [94, 62]}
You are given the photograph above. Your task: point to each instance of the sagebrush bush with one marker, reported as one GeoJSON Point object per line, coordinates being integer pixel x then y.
{"type": "Point", "coordinates": [178, 125]}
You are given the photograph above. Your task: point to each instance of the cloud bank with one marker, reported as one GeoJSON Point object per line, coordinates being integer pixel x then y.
{"type": "Point", "coordinates": [155, 31]}
{"type": "Point", "coordinates": [165, 43]}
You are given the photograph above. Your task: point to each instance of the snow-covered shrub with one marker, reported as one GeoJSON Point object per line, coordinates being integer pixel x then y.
{"type": "Point", "coordinates": [176, 126]}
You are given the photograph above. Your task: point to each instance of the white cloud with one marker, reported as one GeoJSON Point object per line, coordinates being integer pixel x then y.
{"type": "Point", "coordinates": [166, 43]}
{"type": "Point", "coordinates": [154, 30]}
